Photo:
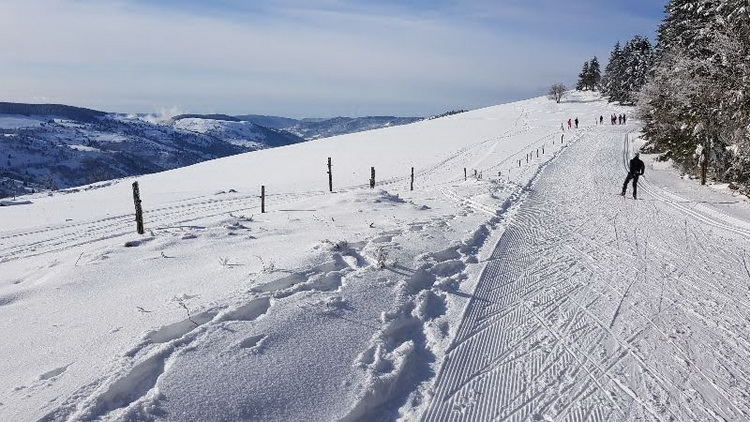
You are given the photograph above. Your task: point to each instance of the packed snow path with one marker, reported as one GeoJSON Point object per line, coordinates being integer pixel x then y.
{"type": "Point", "coordinates": [598, 307]}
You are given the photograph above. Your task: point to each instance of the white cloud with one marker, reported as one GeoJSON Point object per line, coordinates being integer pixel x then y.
{"type": "Point", "coordinates": [117, 55]}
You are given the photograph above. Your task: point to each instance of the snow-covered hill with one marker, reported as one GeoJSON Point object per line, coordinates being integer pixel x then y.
{"type": "Point", "coordinates": [56, 146]}
{"type": "Point", "coordinates": [235, 131]}
{"type": "Point", "coordinates": [509, 281]}
{"type": "Point", "coordinates": [48, 146]}
{"type": "Point", "coordinates": [316, 128]}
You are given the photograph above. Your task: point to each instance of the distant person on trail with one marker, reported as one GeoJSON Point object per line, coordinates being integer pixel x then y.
{"type": "Point", "coordinates": [636, 169]}
{"type": "Point", "coordinates": [569, 124]}
{"type": "Point", "coordinates": [576, 122]}
{"type": "Point", "coordinates": [601, 120]}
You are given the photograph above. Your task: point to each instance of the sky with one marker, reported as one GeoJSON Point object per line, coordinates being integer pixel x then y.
{"type": "Point", "coordinates": [305, 58]}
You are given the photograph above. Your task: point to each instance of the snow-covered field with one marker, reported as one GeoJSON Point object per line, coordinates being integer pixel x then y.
{"type": "Point", "coordinates": [528, 290]}
{"type": "Point", "coordinates": [244, 134]}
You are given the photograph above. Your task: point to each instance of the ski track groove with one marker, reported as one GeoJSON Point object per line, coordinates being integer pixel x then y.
{"type": "Point", "coordinates": [87, 232]}
{"type": "Point", "coordinates": [552, 281]}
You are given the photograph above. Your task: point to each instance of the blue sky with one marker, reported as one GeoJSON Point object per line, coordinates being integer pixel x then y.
{"type": "Point", "coordinates": [305, 58]}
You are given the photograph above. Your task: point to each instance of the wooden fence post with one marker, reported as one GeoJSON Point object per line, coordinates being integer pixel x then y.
{"type": "Point", "coordinates": [465, 177]}
{"type": "Point", "coordinates": [372, 177]}
{"type": "Point", "coordinates": [412, 178]}
{"type": "Point", "coordinates": [330, 176]}
{"type": "Point", "coordinates": [263, 199]}
{"type": "Point", "coordinates": [138, 208]}
{"type": "Point", "coordinates": [561, 138]}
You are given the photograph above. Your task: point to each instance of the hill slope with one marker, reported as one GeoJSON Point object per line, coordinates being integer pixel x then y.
{"type": "Point", "coordinates": [313, 128]}
{"type": "Point", "coordinates": [56, 146]}
{"type": "Point", "coordinates": [52, 146]}
{"type": "Point", "coordinates": [386, 303]}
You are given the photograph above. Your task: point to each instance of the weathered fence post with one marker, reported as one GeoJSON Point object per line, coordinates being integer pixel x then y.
{"type": "Point", "coordinates": [465, 177]}
{"type": "Point", "coordinates": [519, 163]}
{"type": "Point", "coordinates": [537, 153]}
{"type": "Point", "coordinates": [561, 138]}
{"type": "Point", "coordinates": [412, 178]}
{"type": "Point", "coordinates": [330, 176]}
{"type": "Point", "coordinates": [263, 199]}
{"type": "Point", "coordinates": [542, 149]}
{"type": "Point", "coordinates": [138, 208]}
{"type": "Point", "coordinates": [372, 177]}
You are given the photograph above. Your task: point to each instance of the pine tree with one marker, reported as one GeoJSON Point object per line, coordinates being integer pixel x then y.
{"type": "Point", "coordinates": [594, 76]}
{"type": "Point", "coordinates": [637, 61]}
{"type": "Point", "coordinates": [688, 25]}
{"type": "Point", "coordinates": [613, 72]}
{"type": "Point", "coordinates": [627, 70]}
{"type": "Point", "coordinates": [696, 106]}
{"type": "Point", "coordinates": [582, 77]}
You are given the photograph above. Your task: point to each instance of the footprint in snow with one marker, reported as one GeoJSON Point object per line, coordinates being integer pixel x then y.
{"type": "Point", "coordinates": [250, 311]}
{"type": "Point", "coordinates": [179, 329]}
{"type": "Point", "coordinates": [54, 373]}
{"type": "Point", "coordinates": [8, 299]}
{"type": "Point", "coordinates": [253, 344]}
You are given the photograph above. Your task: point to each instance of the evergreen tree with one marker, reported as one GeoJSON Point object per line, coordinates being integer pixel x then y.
{"type": "Point", "coordinates": [627, 70]}
{"type": "Point", "coordinates": [581, 84]}
{"type": "Point", "coordinates": [612, 72]}
{"type": "Point", "coordinates": [687, 26]}
{"type": "Point", "coordinates": [696, 106]}
{"type": "Point", "coordinates": [637, 60]}
{"type": "Point", "coordinates": [594, 76]}
{"type": "Point", "coordinates": [590, 76]}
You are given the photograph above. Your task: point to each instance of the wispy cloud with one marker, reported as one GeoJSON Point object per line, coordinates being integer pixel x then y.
{"type": "Point", "coordinates": [294, 57]}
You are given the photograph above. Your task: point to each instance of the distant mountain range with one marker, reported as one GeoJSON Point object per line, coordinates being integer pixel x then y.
{"type": "Point", "coordinates": [52, 146]}
{"type": "Point", "coordinates": [324, 128]}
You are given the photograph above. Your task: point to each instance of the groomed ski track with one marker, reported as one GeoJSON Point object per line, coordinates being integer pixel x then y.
{"type": "Point", "coordinates": [597, 308]}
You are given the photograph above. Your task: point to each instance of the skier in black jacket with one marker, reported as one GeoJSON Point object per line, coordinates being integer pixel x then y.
{"type": "Point", "coordinates": [636, 169]}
